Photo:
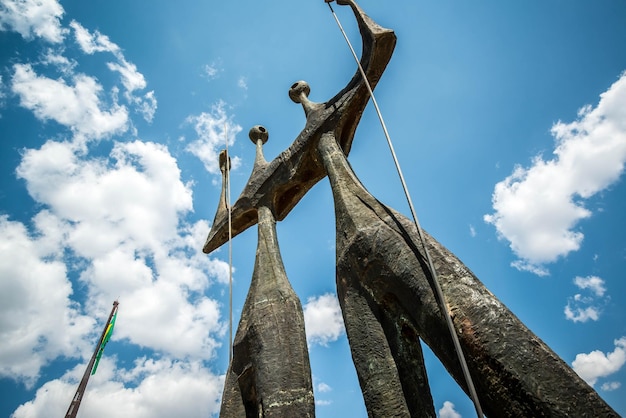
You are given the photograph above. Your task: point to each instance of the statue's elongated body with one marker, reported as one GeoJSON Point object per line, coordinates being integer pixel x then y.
{"type": "Point", "coordinates": [270, 374]}
{"type": "Point", "coordinates": [270, 357]}
{"type": "Point", "coordinates": [382, 274]}
{"type": "Point", "coordinates": [384, 340]}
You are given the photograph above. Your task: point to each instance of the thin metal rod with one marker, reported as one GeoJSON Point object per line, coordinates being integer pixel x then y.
{"type": "Point", "coordinates": [230, 252]}
{"type": "Point", "coordinates": [431, 266]}
{"type": "Point", "coordinates": [72, 410]}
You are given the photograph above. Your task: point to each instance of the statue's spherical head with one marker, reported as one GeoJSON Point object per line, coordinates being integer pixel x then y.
{"type": "Point", "coordinates": [297, 89]}
{"type": "Point", "coordinates": [258, 132]}
{"type": "Point", "coordinates": [222, 159]}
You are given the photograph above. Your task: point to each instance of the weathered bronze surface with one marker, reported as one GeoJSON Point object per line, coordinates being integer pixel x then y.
{"type": "Point", "coordinates": [382, 274]}
{"type": "Point", "coordinates": [281, 184]}
{"type": "Point", "coordinates": [384, 287]}
{"type": "Point", "coordinates": [270, 373]}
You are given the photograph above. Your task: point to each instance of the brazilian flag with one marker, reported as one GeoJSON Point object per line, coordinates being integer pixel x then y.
{"type": "Point", "coordinates": [105, 340]}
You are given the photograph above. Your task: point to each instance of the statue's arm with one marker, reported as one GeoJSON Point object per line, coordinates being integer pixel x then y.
{"type": "Point", "coordinates": [285, 180]}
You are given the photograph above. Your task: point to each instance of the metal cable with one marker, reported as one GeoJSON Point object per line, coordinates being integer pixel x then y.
{"type": "Point", "coordinates": [230, 252]}
{"type": "Point", "coordinates": [431, 266]}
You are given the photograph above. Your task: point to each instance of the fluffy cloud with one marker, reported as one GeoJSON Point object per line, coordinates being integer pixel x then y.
{"type": "Point", "coordinates": [610, 386]}
{"type": "Point", "coordinates": [92, 42]}
{"type": "Point", "coordinates": [160, 316]}
{"type": "Point", "coordinates": [132, 79]}
{"type": "Point", "coordinates": [151, 389]}
{"type": "Point", "coordinates": [581, 308]}
{"type": "Point", "coordinates": [2, 92]}
{"type": "Point", "coordinates": [135, 196]}
{"type": "Point", "coordinates": [38, 321]}
{"type": "Point", "coordinates": [146, 105]}
{"type": "Point", "coordinates": [211, 129]}
{"type": "Point", "coordinates": [33, 18]}
{"type": "Point", "coordinates": [55, 58]}
{"type": "Point", "coordinates": [130, 76]}
{"type": "Point", "coordinates": [115, 223]}
{"type": "Point", "coordinates": [593, 283]}
{"type": "Point", "coordinates": [212, 71]}
{"type": "Point", "coordinates": [323, 320]}
{"type": "Point", "coordinates": [537, 208]}
{"type": "Point", "coordinates": [448, 411]}
{"type": "Point", "coordinates": [578, 314]}
{"type": "Point", "coordinates": [112, 226]}
{"type": "Point", "coordinates": [596, 364]}
{"type": "Point", "coordinates": [323, 388]}
{"type": "Point", "coordinates": [78, 106]}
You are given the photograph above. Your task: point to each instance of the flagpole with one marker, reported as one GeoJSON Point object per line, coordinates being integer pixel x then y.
{"type": "Point", "coordinates": [78, 397]}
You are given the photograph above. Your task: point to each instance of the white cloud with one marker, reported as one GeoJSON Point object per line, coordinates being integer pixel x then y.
{"type": "Point", "coordinates": [38, 322]}
{"type": "Point", "coordinates": [596, 364]}
{"type": "Point", "coordinates": [161, 317]}
{"type": "Point", "coordinates": [611, 386]}
{"type": "Point", "coordinates": [584, 308]}
{"type": "Point", "coordinates": [123, 217]}
{"type": "Point", "coordinates": [523, 265]}
{"type": "Point", "coordinates": [212, 71]}
{"type": "Point", "coordinates": [135, 195]}
{"type": "Point", "coordinates": [117, 225]}
{"type": "Point", "coordinates": [323, 320]}
{"type": "Point", "coordinates": [131, 78]}
{"type": "Point", "coordinates": [146, 105]}
{"type": "Point", "coordinates": [323, 388]}
{"type": "Point", "coordinates": [242, 83]}
{"type": "Point", "coordinates": [448, 411]}
{"type": "Point", "coordinates": [2, 92]}
{"type": "Point", "coordinates": [90, 43]}
{"type": "Point", "coordinates": [56, 59]}
{"type": "Point", "coordinates": [76, 106]}
{"type": "Point", "coordinates": [212, 129]}
{"type": "Point", "coordinates": [151, 389]}
{"type": "Point", "coordinates": [537, 209]}
{"type": "Point", "coordinates": [579, 314]}
{"type": "Point", "coordinates": [594, 283]}
{"type": "Point", "coordinates": [33, 18]}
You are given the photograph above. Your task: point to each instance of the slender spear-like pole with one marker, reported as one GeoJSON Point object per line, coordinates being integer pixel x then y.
{"type": "Point", "coordinates": [78, 397]}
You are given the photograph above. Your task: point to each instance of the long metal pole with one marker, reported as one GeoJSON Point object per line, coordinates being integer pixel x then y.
{"type": "Point", "coordinates": [230, 253]}
{"type": "Point", "coordinates": [78, 397]}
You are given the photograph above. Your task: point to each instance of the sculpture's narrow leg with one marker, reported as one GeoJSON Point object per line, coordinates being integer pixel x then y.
{"type": "Point", "coordinates": [403, 339]}
{"type": "Point", "coordinates": [270, 356]}
{"type": "Point", "coordinates": [515, 373]}
{"type": "Point", "coordinates": [232, 405]}
{"type": "Point", "coordinates": [383, 339]}
{"type": "Point", "coordinates": [376, 369]}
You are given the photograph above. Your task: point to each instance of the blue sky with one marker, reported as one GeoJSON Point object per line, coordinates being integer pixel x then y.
{"type": "Point", "coordinates": [509, 120]}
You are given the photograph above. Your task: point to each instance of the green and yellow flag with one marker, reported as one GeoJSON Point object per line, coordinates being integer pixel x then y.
{"type": "Point", "coordinates": [105, 340]}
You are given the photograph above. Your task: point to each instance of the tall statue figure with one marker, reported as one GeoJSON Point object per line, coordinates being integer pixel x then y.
{"type": "Point", "coordinates": [384, 285]}
{"type": "Point", "coordinates": [270, 373]}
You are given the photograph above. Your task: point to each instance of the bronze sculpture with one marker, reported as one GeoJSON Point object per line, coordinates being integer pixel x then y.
{"type": "Point", "coordinates": [384, 286]}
